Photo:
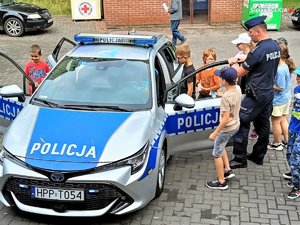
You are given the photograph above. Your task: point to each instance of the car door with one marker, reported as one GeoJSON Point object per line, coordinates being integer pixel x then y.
{"type": "Point", "coordinates": [13, 90]}
{"type": "Point", "coordinates": [189, 129]}
{"type": "Point", "coordinates": [63, 46]}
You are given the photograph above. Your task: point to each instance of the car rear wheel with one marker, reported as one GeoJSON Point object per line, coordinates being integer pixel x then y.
{"type": "Point", "coordinates": [161, 173]}
{"type": "Point", "coordinates": [14, 27]}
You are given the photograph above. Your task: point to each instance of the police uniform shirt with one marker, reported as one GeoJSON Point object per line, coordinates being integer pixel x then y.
{"type": "Point", "coordinates": [262, 63]}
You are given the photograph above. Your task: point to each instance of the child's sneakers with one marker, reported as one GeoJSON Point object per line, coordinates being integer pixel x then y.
{"type": "Point", "coordinates": [287, 176]}
{"type": "Point", "coordinates": [275, 146]}
{"type": "Point", "coordinates": [217, 185]}
{"type": "Point", "coordinates": [295, 193]}
{"type": "Point", "coordinates": [290, 184]}
{"type": "Point", "coordinates": [228, 174]}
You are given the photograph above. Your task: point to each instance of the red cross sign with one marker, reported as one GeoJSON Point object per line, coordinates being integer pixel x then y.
{"type": "Point", "coordinates": [85, 8]}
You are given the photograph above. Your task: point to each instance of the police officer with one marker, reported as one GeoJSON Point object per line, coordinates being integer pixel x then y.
{"type": "Point", "coordinates": [259, 68]}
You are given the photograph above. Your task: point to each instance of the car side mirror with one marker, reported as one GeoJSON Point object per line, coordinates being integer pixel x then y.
{"type": "Point", "coordinates": [12, 91]}
{"type": "Point", "coordinates": [184, 100]}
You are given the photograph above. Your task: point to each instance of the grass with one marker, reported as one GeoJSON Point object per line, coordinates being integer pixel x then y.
{"type": "Point", "coordinates": [56, 7]}
{"type": "Point", "coordinates": [291, 4]}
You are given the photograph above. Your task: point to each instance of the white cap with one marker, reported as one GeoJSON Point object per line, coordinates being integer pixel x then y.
{"type": "Point", "coordinates": [242, 38]}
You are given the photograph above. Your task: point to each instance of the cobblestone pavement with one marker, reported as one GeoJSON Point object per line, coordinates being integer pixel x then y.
{"type": "Point", "coordinates": [256, 196]}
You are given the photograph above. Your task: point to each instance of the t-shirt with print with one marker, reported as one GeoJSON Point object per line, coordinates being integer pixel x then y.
{"type": "Point", "coordinates": [208, 79]}
{"type": "Point", "coordinates": [282, 80]}
{"type": "Point", "coordinates": [36, 72]}
{"type": "Point", "coordinates": [231, 102]}
{"type": "Point", "coordinates": [186, 71]}
{"type": "Point", "coordinates": [295, 117]}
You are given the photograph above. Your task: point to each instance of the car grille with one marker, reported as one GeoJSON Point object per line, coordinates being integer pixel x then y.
{"type": "Point", "coordinates": [93, 201]}
{"type": "Point", "coordinates": [45, 14]}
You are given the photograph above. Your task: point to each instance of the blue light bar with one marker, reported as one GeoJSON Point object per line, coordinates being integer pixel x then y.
{"type": "Point", "coordinates": [115, 39]}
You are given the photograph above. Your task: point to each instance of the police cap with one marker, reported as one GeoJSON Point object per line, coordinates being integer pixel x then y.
{"type": "Point", "coordinates": [254, 22]}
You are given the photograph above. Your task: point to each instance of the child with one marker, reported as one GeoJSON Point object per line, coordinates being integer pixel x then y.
{"type": "Point", "coordinates": [281, 101]}
{"type": "Point", "coordinates": [206, 80]}
{"type": "Point", "coordinates": [183, 54]}
{"type": "Point", "coordinates": [244, 45]}
{"type": "Point", "coordinates": [37, 69]}
{"type": "Point", "coordinates": [229, 125]}
{"type": "Point", "coordinates": [293, 147]}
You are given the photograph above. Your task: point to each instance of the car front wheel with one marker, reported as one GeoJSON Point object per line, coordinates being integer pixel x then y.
{"type": "Point", "coordinates": [14, 27]}
{"type": "Point", "coordinates": [161, 173]}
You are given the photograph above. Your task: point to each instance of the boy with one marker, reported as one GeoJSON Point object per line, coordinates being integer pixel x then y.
{"type": "Point", "coordinates": [229, 125]}
{"type": "Point", "coordinates": [37, 69]}
{"type": "Point", "coordinates": [293, 146]}
{"type": "Point", "coordinates": [183, 54]}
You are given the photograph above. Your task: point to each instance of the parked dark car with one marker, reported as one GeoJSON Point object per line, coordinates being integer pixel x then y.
{"type": "Point", "coordinates": [16, 18]}
{"type": "Point", "coordinates": [296, 18]}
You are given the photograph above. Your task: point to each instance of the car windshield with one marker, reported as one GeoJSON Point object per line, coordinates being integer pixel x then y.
{"type": "Point", "coordinates": [6, 2]}
{"type": "Point", "coordinates": [93, 83]}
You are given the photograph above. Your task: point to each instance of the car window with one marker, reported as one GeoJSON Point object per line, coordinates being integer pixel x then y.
{"type": "Point", "coordinates": [168, 53]}
{"type": "Point", "coordinates": [105, 82]}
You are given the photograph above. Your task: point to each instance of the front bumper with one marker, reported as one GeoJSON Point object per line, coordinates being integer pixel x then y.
{"type": "Point", "coordinates": [119, 191]}
{"type": "Point", "coordinates": [33, 25]}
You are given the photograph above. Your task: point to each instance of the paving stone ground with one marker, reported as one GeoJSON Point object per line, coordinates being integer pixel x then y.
{"type": "Point", "coordinates": [256, 196]}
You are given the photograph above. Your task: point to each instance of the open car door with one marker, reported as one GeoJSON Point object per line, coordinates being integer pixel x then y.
{"type": "Point", "coordinates": [188, 128]}
{"type": "Point", "coordinates": [13, 90]}
{"type": "Point", "coordinates": [63, 46]}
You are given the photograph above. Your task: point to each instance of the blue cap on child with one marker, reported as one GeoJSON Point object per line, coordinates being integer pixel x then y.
{"type": "Point", "coordinates": [297, 71]}
{"type": "Point", "coordinates": [229, 74]}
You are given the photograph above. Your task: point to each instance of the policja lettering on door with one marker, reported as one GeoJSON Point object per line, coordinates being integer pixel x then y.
{"type": "Point", "coordinates": [191, 121]}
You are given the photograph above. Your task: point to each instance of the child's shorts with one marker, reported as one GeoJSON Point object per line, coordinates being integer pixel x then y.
{"type": "Point", "coordinates": [281, 110]}
{"type": "Point", "coordinates": [221, 141]}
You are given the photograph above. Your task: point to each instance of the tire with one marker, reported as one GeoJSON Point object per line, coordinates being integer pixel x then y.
{"type": "Point", "coordinates": [14, 27]}
{"type": "Point", "coordinates": [160, 183]}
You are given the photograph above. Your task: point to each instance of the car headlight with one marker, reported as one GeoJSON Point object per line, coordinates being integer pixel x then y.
{"type": "Point", "coordinates": [6, 154]}
{"type": "Point", "coordinates": [34, 16]}
{"type": "Point", "coordinates": [136, 161]}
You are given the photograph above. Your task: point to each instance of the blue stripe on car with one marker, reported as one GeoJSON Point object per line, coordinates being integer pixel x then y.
{"type": "Point", "coordinates": [75, 138]}
{"type": "Point", "coordinates": [9, 109]}
{"type": "Point", "coordinates": [192, 121]}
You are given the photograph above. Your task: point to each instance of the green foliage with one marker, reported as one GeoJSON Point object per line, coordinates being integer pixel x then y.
{"type": "Point", "coordinates": [291, 4]}
{"type": "Point", "coordinates": [56, 7]}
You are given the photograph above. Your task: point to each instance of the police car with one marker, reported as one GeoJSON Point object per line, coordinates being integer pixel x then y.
{"type": "Point", "coordinates": [95, 136]}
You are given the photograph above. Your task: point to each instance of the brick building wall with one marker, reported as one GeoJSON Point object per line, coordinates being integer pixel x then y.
{"type": "Point", "coordinates": [221, 11]}
{"type": "Point", "coordinates": [150, 12]}
{"type": "Point", "coordinates": [134, 12]}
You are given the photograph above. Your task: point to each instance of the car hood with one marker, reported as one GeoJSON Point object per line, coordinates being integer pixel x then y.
{"type": "Point", "coordinates": [58, 139]}
{"type": "Point", "coordinates": [23, 8]}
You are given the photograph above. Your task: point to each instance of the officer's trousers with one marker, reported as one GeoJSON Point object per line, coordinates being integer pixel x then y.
{"type": "Point", "coordinates": [258, 111]}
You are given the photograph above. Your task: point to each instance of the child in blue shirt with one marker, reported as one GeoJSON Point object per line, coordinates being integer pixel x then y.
{"type": "Point", "coordinates": [293, 147]}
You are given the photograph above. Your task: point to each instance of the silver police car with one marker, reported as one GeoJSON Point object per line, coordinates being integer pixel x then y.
{"type": "Point", "coordinates": [95, 136]}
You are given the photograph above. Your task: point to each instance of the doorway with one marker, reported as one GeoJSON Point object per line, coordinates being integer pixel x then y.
{"type": "Point", "coordinates": [195, 11]}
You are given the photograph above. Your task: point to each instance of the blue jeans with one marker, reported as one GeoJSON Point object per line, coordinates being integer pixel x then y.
{"type": "Point", "coordinates": [175, 32]}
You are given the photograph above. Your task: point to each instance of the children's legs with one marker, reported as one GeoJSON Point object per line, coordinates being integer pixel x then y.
{"type": "Point", "coordinates": [284, 127]}
{"type": "Point", "coordinates": [276, 129]}
{"type": "Point", "coordinates": [219, 168]}
{"type": "Point", "coordinates": [225, 160]}
{"type": "Point", "coordinates": [295, 162]}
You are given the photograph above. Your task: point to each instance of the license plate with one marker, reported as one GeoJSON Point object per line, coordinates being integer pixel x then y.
{"type": "Point", "coordinates": [50, 20]}
{"type": "Point", "coordinates": [295, 18]}
{"type": "Point", "coordinates": [57, 194]}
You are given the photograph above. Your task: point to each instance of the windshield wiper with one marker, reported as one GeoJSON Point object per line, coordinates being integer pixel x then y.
{"type": "Point", "coordinates": [96, 107]}
{"type": "Point", "coordinates": [48, 103]}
